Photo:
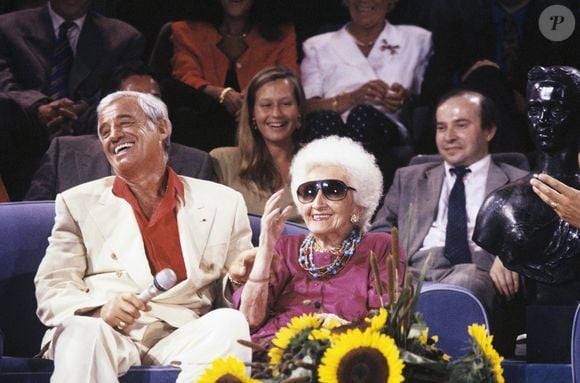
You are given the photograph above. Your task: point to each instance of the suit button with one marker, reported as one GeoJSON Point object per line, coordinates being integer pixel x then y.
{"type": "Point", "coordinates": [239, 65]}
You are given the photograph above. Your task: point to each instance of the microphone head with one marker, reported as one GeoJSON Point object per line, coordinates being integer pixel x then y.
{"type": "Point", "coordinates": [165, 279]}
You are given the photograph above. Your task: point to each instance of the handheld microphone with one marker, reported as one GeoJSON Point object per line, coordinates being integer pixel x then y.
{"type": "Point", "coordinates": [163, 281]}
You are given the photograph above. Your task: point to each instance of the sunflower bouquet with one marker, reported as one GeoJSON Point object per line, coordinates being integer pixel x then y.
{"type": "Point", "coordinates": [392, 345]}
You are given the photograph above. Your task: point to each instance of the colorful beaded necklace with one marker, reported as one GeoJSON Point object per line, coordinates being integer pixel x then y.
{"type": "Point", "coordinates": [343, 255]}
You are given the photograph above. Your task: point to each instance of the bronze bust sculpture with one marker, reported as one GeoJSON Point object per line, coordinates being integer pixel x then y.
{"type": "Point", "coordinates": [514, 223]}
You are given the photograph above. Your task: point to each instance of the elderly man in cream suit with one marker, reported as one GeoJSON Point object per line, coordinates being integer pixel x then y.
{"type": "Point", "coordinates": [110, 238]}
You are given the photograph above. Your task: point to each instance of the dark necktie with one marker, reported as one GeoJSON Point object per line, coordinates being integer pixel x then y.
{"type": "Point", "coordinates": [456, 247]}
{"type": "Point", "coordinates": [62, 59]}
{"type": "Point", "coordinates": [509, 44]}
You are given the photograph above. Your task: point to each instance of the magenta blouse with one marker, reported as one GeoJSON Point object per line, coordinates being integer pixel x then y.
{"type": "Point", "coordinates": [349, 294]}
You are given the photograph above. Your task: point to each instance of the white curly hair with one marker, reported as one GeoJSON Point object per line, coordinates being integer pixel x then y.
{"type": "Point", "coordinates": [360, 166]}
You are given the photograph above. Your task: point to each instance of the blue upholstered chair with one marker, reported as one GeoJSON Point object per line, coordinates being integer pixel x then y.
{"type": "Point", "coordinates": [575, 357]}
{"type": "Point", "coordinates": [448, 310]}
{"type": "Point", "coordinates": [290, 228]}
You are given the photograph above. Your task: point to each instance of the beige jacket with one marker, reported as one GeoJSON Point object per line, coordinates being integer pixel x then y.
{"type": "Point", "coordinates": [96, 251]}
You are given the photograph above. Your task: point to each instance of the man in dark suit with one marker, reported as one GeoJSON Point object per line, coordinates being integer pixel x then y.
{"type": "Point", "coordinates": [32, 108]}
{"type": "Point", "coordinates": [417, 202]}
{"type": "Point", "coordinates": [70, 161]}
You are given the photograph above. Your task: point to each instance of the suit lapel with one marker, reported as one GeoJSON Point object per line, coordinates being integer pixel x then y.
{"type": "Point", "coordinates": [41, 41]}
{"type": "Point", "coordinates": [116, 220]}
{"type": "Point", "coordinates": [427, 198]}
{"type": "Point", "coordinates": [195, 221]}
{"type": "Point", "coordinates": [496, 178]}
{"type": "Point", "coordinates": [89, 49]}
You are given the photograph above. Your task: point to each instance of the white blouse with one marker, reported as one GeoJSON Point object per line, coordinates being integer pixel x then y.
{"type": "Point", "coordinates": [334, 64]}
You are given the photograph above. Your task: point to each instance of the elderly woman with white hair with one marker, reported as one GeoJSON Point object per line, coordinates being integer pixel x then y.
{"type": "Point", "coordinates": [336, 186]}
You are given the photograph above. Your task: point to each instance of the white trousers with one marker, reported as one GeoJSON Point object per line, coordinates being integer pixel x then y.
{"type": "Point", "coordinates": [88, 350]}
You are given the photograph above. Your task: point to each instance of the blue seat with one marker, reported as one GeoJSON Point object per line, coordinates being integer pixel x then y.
{"type": "Point", "coordinates": [575, 354]}
{"type": "Point", "coordinates": [290, 228]}
{"type": "Point", "coordinates": [448, 310]}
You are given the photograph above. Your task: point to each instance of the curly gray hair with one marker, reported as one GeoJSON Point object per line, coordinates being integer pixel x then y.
{"type": "Point", "coordinates": [360, 166]}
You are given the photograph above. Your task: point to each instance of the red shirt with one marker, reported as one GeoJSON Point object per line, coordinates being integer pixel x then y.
{"type": "Point", "coordinates": [160, 233]}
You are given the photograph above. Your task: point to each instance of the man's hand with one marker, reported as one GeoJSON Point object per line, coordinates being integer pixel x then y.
{"type": "Point", "coordinates": [562, 198]}
{"type": "Point", "coordinates": [507, 282]}
{"type": "Point", "coordinates": [59, 116]}
{"type": "Point", "coordinates": [121, 311]}
{"type": "Point", "coordinates": [242, 266]}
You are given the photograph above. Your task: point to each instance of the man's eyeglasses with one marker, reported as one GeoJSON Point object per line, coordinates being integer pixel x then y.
{"type": "Point", "coordinates": [333, 190]}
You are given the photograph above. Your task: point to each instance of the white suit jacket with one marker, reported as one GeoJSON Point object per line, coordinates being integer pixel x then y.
{"type": "Point", "coordinates": [96, 251]}
{"type": "Point", "coordinates": [334, 64]}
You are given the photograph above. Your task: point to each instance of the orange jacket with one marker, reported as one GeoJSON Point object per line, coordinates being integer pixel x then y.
{"type": "Point", "coordinates": [197, 61]}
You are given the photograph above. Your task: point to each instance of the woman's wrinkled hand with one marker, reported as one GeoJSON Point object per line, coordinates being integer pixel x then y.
{"type": "Point", "coordinates": [273, 219]}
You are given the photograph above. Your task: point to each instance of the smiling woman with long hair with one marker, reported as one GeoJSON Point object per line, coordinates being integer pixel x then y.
{"type": "Point", "coordinates": [268, 137]}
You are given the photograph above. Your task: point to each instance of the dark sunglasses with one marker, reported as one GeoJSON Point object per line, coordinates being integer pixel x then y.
{"type": "Point", "coordinates": [333, 190]}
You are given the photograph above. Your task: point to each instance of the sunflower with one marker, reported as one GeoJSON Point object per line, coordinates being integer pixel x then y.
{"type": "Point", "coordinates": [378, 321]}
{"type": "Point", "coordinates": [483, 342]}
{"type": "Point", "coordinates": [285, 336]}
{"type": "Point", "coordinates": [424, 337]}
{"type": "Point", "coordinates": [229, 370]}
{"type": "Point", "coordinates": [357, 356]}
{"type": "Point", "coordinates": [321, 334]}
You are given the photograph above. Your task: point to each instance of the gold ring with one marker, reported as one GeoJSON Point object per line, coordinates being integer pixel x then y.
{"type": "Point", "coordinates": [121, 325]}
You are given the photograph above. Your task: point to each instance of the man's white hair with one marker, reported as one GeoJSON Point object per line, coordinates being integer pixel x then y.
{"type": "Point", "coordinates": [359, 165]}
{"type": "Point", "coordinates": [154, 109]}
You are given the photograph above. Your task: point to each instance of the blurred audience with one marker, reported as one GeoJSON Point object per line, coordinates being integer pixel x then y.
{"type": "Point", "coordinates": [219, 54]}
{"type": "Point", "coordinates": [269, 134]}
{"type": "Point", "coordinates": [488, 46]}
{"type": "Point", "coordinates": [70, 161]}
{"type": "Point", "coordinates": [358, 78]}
{"type": "Point", "coordinates": [53, 60]}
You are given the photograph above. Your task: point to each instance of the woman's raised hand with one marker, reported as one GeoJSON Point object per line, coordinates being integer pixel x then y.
{"type": "Point", "coordinates": [273, 219]}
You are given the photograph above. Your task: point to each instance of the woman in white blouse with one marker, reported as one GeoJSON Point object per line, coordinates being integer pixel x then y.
{"type": "Point", "coordinates": [357, 79]}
